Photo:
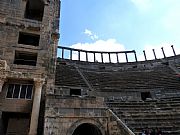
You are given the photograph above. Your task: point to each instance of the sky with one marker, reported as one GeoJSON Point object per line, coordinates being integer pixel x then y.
{"type": "Point", "coordinates": [121, 25]}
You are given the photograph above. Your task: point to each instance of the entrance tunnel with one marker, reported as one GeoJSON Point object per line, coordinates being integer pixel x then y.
{"type": "Point", "coordinates": [87, 129]}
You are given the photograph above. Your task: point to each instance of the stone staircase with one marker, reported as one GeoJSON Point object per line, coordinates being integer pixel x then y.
{"type": "Point", "coordinates": [67, 75]}
{"type": "Point", "coordinates": [116, 126]}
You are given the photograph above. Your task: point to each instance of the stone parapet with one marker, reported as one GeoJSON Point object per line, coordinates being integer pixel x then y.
{"type": "Point", "coordinates": [75, 102]}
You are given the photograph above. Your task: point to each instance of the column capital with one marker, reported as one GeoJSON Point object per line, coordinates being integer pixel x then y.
{"type": "Point", "coordinates": [3, 65]}
{"type": "Point", "coordinates": [3, 79]}
{"type": "Point", "coordinates": [39, 81]}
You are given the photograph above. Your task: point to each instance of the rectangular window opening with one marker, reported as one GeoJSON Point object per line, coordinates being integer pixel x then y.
{"type": "Point", "coordinates": [10, 120]}
{"type": "Point", "coordinates": [75, 92]}
{"type": "Point", "coordinates": [145, 95]}
{"type": "Point", "coordinates": [19, 91]}
{"type": "Point", "coordinates": [28, 39]}
{"type": "Point", "coordinates": [25, 58]}
{"type": "Point", "coordinates": [34, 10]}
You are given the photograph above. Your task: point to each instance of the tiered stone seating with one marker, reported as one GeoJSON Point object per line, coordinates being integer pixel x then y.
{"type": "Point", "coordinates": [67, 75]}
{"type": "Point", "coordinates": [162, 78]}
{"type": "Point", "coordinates": [159, 112]}
{"type": "Point", "coordinates": [152, 114]}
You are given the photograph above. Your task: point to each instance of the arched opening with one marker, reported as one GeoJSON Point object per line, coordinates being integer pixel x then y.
{"type": "Point", "coordinates": [87, 129]}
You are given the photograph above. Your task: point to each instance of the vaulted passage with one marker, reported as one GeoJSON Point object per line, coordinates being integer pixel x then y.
{"type": "Point", "coordinates": [87, 129]}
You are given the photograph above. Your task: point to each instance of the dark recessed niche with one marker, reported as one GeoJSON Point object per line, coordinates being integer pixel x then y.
{"type": "Point", "coordinates": [28, 39]}
{"type": "Point", "coordinates": [102, 67]}
{"type": "Point", "coordinates": [76, 92]}
{"type": "Point", "coordinates": [34, 10]}
{"type": "Point", "coordinates": [165, 63]}
{"type": "Point", "coordinates": [25, 58]}
{"type": "Point", "coordinates": [145, 95]}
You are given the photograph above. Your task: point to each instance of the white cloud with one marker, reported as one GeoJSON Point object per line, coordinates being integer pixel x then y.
{"type": "Point", "coordinates": [101, 45]}
{"type": "Point", "coordinates": [142, 5]}
{"type": "Point", "coordinates": [90, 34]}
{"type": "Point", "coordinates": [158, 51]}
{"type": "Point", "coordinates": [110, 45]}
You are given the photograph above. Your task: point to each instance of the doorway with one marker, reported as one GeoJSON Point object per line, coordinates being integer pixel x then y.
{"type": "Point", "coordinates": [145, 95]}
{"type": "Point", "coordinates": [15, 123]}
{"type": "Point", "coordinates": [87, 129]}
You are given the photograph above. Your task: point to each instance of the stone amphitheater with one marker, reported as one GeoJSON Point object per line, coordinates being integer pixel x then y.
{"type": "Point", "coordinates": [41, 93]}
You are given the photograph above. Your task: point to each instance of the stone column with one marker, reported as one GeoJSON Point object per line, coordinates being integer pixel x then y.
{"type": "Point", "coordinates": [2, 80]}
{"type": "Point", "coordinates": [71, 54]}
{"type": "Point", "coordinates": [117, 57]}
{"type": "Point", "coordinates": [79, 55]}
{"type": "Point", "coordinates": [135, 56]}
{"type": "Point", "coordinates": [87, 56]}
{"type": "Point", "coordinates": [126, 57]}
{"type": "Point", "coordinates": [173, 50]}
{"type": "Point", "coordinates": [109, 57]}
{"type": "Point", "coordinates": [163, 52]}
{"type": "Point", "coordinates": [102, 57]}
{"type": "Point", "coordinates": [154, 54]}
{"type": "Point", "coordinates": [38, 83]}
{"type": "Point", "coordinates": [145, 55]}
{"type": "Point", "coordinates": [94, 57]}
{"type": "Point", "coordinates": [62, 53]}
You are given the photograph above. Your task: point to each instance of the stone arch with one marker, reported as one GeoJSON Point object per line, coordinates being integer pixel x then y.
{"type": "Point", "coordinates": [90, 122]}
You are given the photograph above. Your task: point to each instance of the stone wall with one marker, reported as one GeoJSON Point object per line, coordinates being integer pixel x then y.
{"type": "Point", "coordinates": [1, 124]}
{"type": "Point", "coordinates": [14, 21]}
{"type": "Point", "coordinates": [64, 114]}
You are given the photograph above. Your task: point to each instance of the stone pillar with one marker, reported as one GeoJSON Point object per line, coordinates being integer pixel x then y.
{"type": "Point", "coordinates": [126, 57]}
{"type": "Point", "coordinates": [102, 57]}
{"type": "Point", "coordinates": [62, 53]}
{"type": "Point", "coordinates": [135, 56]}
{"type": "Point", "coordinates": [117, 57]}
{"type": "Point", "coordinates": [2, 80]}
{"type": "Point", "coordinates": [154, 54]}
{"type": "Point", "coordinates": [163, 52]}
{"type": "Point", "coordinates": [71, 54]}
{"type": "Point", "coordinates": [87, 56]}
{"type": "Point", "coordinates": [173, 50]}
{"type": "Point", "coordinates": [145, 55]}
{"type": "Point", "coordinates": [109, 57]}
{"type": "Point", "coordinates": [79, 55]}
{"type": "Point", "coordinates": [94, 57]}
{"type": "Point", "coordinates": [38, 83]}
